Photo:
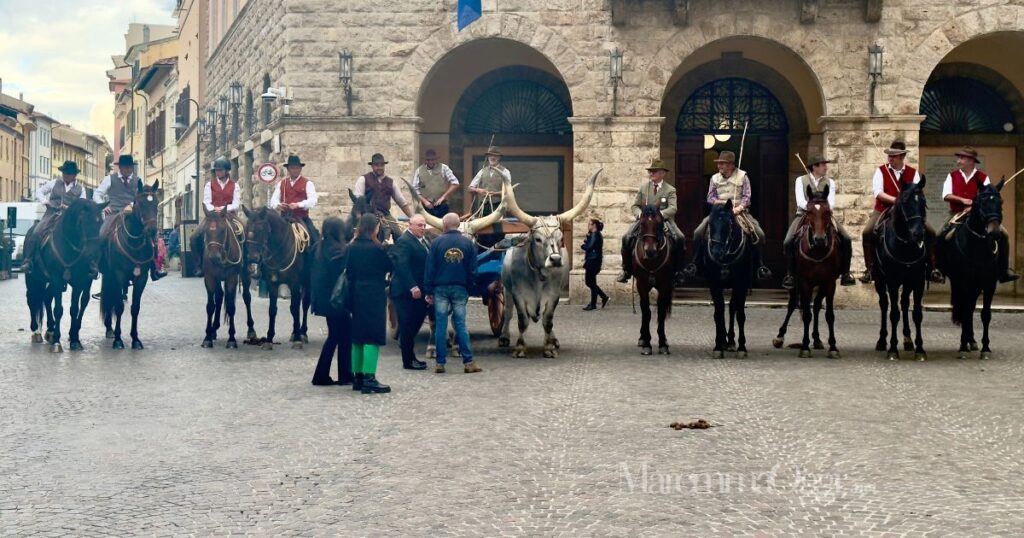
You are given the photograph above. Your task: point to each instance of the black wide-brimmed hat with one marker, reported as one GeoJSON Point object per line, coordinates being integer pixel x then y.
{"type": "Point", "coordinates": [69, 167]}
{"type": "Point", "coordinates": [125, 160]}
{"type": "Point", "coordinates": [377, 159]}
{"type": "Point", "coordinates": [294, 160]}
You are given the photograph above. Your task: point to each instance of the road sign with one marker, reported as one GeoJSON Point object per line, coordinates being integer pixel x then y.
{"type": "Point", "coordinates": [12, 217]}
{"type": "Point", "coordinates": [267, 173]}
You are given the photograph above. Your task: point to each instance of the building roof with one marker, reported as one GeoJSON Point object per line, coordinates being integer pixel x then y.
{"type": "Point", "coordinates": [162, 65]}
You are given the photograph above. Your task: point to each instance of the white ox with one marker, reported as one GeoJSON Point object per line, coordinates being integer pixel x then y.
{"type": "Point", "coordinates": [533, 272]}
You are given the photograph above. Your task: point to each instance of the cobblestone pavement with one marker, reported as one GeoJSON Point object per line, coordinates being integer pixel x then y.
{"type": "Point", "coordinates": [178, 440]}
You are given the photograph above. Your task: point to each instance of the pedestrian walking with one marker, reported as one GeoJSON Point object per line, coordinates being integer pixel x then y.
{"type": "Point", "coordinates": [366, 268]}
{"type": "Point", "coordinates": [593, 249]}
{"type": "Point", "coordinates": [451, 266]}
{"type": "Point", "coordinates": [328, 264]}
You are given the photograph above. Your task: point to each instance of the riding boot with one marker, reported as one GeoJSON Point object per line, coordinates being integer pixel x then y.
{"type": "Point", "coordinates": [155, 275]}
{"type": "Point", "coordinates": [1006, 273]}
{"type": "Point", "coordinates": [845, 257]}
{"type": "Point", "coordinates": [933, 267]}
{"type": "Point", "coordinates": [627, 262]}
{"type": "Point", "coordinates": [869, 263]}
{"type": "Point", "coordinates": [197, 249]}
{"type": "Point", "coordinates": [763, 272]}
{"type": "Point", "coordinates": [790, 281]}
{"type": "Point", "coordinates": [679, 263]}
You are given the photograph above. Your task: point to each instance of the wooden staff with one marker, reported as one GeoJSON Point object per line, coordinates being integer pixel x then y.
{"type": "Point", "coordinates": [802, 163]}
{"type": "Point", "coordinates": [743, 141]}
{"type": "Point", "coordinates": [1013, 176]}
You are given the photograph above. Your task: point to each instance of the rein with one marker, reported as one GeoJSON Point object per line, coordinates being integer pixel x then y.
{"type": "Point", "coordinates": [663, 245]}
{"type": "Point", "coordinates": [233, 234]}
{"type": "Point", "coordinates": [832, 240]}
{"type": "Point", "coordinates": [895, 233]}
{"type": "Point", "coordinates": [733, 254]}
{"type": "Point", "coordinates": [124, 250]}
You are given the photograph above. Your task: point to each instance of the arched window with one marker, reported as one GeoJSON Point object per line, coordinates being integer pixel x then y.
{"type": "Point", "coordinates": [266, 105]}
{"type": "Point", "coordinates": [961, 105]}
{"type": "Point", "coordinates": [724, 105]}
{"type": "Point", "coordinates": [518, 107]}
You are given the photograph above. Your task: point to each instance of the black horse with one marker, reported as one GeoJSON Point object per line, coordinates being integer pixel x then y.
{"type": "Point", "coordinates": [126, 256]}
{"type": "Point", "coordinates": [276, 255]}
{"type": "Point", "coordinates": [362, 205]}
{"type": "Point", "coordinates": [901, 267]}
{"type": "Point", "coordinates": [727, 262]}
{"type": "Point", "coordinates": [66, 256]}
{"type": "Point", "coordinates": [653, 268]}
{"type": "Point", "coordinates": [223, 271]}
{"type": "Point", "coordinates": [970, 258]}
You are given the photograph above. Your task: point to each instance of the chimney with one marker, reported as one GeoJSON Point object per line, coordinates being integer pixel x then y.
{"type": "Point", "coordinates": [145, 34]}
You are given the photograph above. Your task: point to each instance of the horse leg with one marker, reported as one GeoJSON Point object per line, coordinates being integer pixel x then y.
{"type": "Point", "coordinates": [137, 289]}
{"type": "Point", "coordinates": [118, 312]}
{"type": "Point", "coordinates": [805, 316]}
{"type": "Point", "coordinates": [548, 322]}
{"type": "Point", "coordinates": [230, 291]}
{"type": "Point", "coordinates": [816, 335]}
{"type": "Point", "coordinates": [894, 321]}
{"type": "Point", "coordinates": [247, 299]}
{"type": "Point", "coordinates": [730, 342]}
{"type": "Point", "coordinates": [717, 297]}
{"type": "Point", "coordinates": [48, 305]}
{"type": "Point", "coordinates": [645, 319]}
{"type": "Point", "coordinates": [830, 317]}
{"type": "Point", "coordinates": [986, 317]}
{"type": "Point", "coordinates": [294, 306]}
{"type": "Point", "coordinates": [272, 311]}
{"type": "Point", "coordinates": [905, 306]}
{"type": "Point", "coordinates": [218, 301]}
{"type": "Point", "coordinates": [58, 314]}
{"type": "Point", "coordinates": [77, 309]}
{"type": "Point", "coordinates": [738, 304]}
{"type": "Point", "coordinates": [919, 352]}
{"type": "Point", "coordinates": [307, 298]}
{"type": "Point", "coordinates": [883, 305]}
{"type": "Point", "coordinates": [211, 311]}
{"type": "Point", "coordinates": [790, 307]}
{"type": "Point", "coordinates": [34, 298]}
{"type": "Point", "coordinates": [664, 306]}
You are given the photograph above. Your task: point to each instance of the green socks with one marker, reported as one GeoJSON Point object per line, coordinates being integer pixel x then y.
{"type": "Point", "coordinates": [364, 358]}
{"type": "Point", "coordinates": [357, 358]}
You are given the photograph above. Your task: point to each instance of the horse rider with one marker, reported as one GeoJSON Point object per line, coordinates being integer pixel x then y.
{"type": "Point", "coordinates": [54, 194]}
{"type": "Point", "coordinates": [486, 184]}
{"type": "Point", "coordinates": [384, 191]}
{"type": "Point", "coordinates": [294, 196]}
{"type": "Point", "coordinates": [816, 178]}
{"type": "Point", "coordinates": [434, 183]}
{"type": "Point", "coordinates": [731, 183]}
{"type": "Point", "coordinates": [886, 185]}
{"type": "Point", "coordinates": [959, 190]}
{"type": "Point", "coordinates": [119, 190]}
{"type": "Point", "coordinates": [658, 193]}
{"type": "Point", "coordinates": [219, 194]}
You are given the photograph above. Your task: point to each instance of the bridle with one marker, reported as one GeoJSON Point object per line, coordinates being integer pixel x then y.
{"type": "Point", "coordinates": [663, 245]}
{"type": "Point", "coordinates": [830, 239]}
{"type": "Point", "coordinates": [232, 236]}
{"type": "Point", "coordinates": [899, 213]}
{"type": "Point", "coordinates": [124, 245]}
{"type": "Point", "coordinates": [730, 254]}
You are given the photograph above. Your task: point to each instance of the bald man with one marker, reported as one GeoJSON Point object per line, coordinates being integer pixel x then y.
{"type": "Point", "coordinates": [409, 255]}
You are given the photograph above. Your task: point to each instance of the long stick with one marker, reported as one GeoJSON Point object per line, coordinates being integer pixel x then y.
{"type": "Point", "coordinates": [802, 163]}
{"type": "Point", "coordinates": [743, 141]}
{"type": "Point", "coordinates": [1013, 176]}
{"type": "Point", "coordinates": [890, 176]}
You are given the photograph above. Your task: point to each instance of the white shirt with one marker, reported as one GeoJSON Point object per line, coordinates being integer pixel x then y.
{"type": "Point", "coordinates": [947, 186]}
{"type": "Point", "coordinates": [396, 194]}
{"type": "Point", "coordinates": [446, 173]}
{"type": "Point", "coordinates": [275, 199]}
{"type": "Point", "coordinates": [236, 199]}
{"type": "Point", "coordinates": [878, 180]}
{"type": "Point", "coordinates": [801, 197]}
{"type": "Point", "coordinates": [99, 195]}
{"type": "Point", "coordinates": [44, 190]}
{"type": "Point", "coordinates": [479, 176]}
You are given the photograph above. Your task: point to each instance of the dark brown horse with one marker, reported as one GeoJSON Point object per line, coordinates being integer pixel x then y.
{"type": "Point", "coordinates": [653, 269]}
{"type": "Point", "coordinates": [277, 256]}
{"type": "Point", "coordinates": [65, 256]}
{"type": "Point", "coordinates": [817, 268]}
{"type": "Point", "coordinates": [223, 270]}
{"type": "Point", "coordinates": [126, 256]}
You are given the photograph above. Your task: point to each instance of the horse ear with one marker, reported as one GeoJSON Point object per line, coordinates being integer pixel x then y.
{"type": "Point", "coordinates": [824, 192]}
{"type": "Point", "coordinates": [923, 182]}
{"type": "Point", "coordinates": [999, 186]}
{"type": "Point", "coordinates": [808, 193]}
{"type": "Point", "coordinates": [156, 185]}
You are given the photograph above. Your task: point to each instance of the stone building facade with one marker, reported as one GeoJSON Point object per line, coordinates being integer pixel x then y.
{"type": "Point", "coordinates": [535, 73]}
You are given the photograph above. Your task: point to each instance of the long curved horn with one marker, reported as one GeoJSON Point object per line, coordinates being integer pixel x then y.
{"type": "Point", "coordinates": [476, 225]}
{"type": "Point", "coordinates": [431, 220]}
{"type": "Point", "coordinates": [588, 193]}
{"type": "Point", "coordinates": [508, 198]}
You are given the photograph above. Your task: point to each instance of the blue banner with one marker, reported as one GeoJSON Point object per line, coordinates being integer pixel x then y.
{"type": "Point", "coordinates": [468, 11]}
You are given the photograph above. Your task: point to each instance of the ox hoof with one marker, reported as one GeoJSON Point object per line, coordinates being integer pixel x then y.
{"type": "Point", "coordinates": [118, 343]}
{"type": "Point", "coordinates": [663, 350]}
{"type": "Point", "coordinates": [504, 342]}
{"type": "Point", "coordinates": [208, 343]}
{"type": "Point", "coordinates": [894, 355]}
{"type": "Point", "coordinates": [110, 334]}
{"type": "Point", "coordinates": [963, 355]}
{"type": "Point", "coordinates": [833, 354]}
{"type": "Point", "coordinates": [920, 357]}
{"type": "Point", "coordinates": [75, 346]}
{"type": "Point", "coordinates": [880, 345]}
{"type": "Point", "coordinates": [818, 344]}
{"type": "Point", "coordinates": [973, 345]}
{"type": "Point", "coordinates": [646, 350]}
{"type": "Point", "coordinates": [56, 348]}
{"type": "Point", "coordinates": [137, 345]}
{"type": "Point", "coordinates": [232, 344]}
{"type": "Point", "coordinates": [777, 342]}
{"type": "Point", "coordinates": [908, 345]}
{"type": "Point", "coordinates": [985, 355]}
{"type": "Point", "coordinates": [267, 346]}
{"type": "Point", "coordinates": [296, 345]}
{"type": "Point", "coordinates": [805, 353]}
{"type": "Point", "coordinates": [37, 338]}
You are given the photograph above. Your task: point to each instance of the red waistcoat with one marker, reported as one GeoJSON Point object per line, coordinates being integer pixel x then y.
{"type": "Point", "coordinates": [964, 188]}
{"type": "Point", "coordinates": [291, 194]}
{"type": "Point", "coordinates": [222, 196]}
{"type": "Point", "coordinates": [889, 187]}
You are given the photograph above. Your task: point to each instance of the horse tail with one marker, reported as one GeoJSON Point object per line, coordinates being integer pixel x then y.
{"type": "Point", "coordinates": [955, 301]}
{"type": "Point", "coordinates": [110, 296]}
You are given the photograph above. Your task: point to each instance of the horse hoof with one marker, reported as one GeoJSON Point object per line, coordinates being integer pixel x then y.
{"type": "Point", "coordinates": [48, 337]}
{"type": "Point", "coordinates": [550, 354]}
{"type": "Point", "coordinates": [137, 345]}
{"type": "Point", "coordinates": [232, 344]}
{"type": "Point", "coordinates": [296, 345]}
{"type": "Point", "coordinates": [663, 350]}
{"type": "Point", "coordinates": [251, 335]}
{"type": "Point", "coordinates": [974, 346]}
{"type": "Point", "coordinates": [305, 339]}
{"type": "Point", "coordinates": [818, 344]}
{"type": "Point", "coordinates": [75, 346]}
{"type": "Point", "coordinates": [118, 343]}
{"type": "Point", "coordinates": [37, 338]}
{"type": "Point", "coordinates": [741, 354]}
{"type": "Point", "coordinates": [908, 345]}
{"type": "Point", "coordinates": [520, 352]}
{"type": "Point", "coordinates": [894, 356]}
{"type": "Point", "coordinates": [777, 342]}
{"type": "Point", "coordinates": [880, 346]}
{"type": "Point", "coordinates": [985, 355]}
{"type": "Point", "coordinates": [833, 354]}
{"type": "Point", "coordinates": [730, 347]}
{"type": "Point", "coordinates": [207, 343]}
{"type": "Point", "coordinates": [920, 357]}
{"type": "Point", "coordinates": [963, 355]}
{"type": "Point", "coordinates": [110, 334]}
{"type": "Point", "coordinates": [503, 342]}
{"type": "Point", "coordinates": [646, 351]}
{"type": "Point", "coordinates": [719, 354]}
{"type": "Point", "coordinates": [556, 343]}
{"type": "Point", "coordinates": [805, 353]}
{"type": "Point", "coordinates": [56, 348]}
{"type": "Point", "coordinates": [267, 346]}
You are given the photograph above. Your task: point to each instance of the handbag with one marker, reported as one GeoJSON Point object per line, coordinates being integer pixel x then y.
{"type": "Point", "coordinates": [340, 294]}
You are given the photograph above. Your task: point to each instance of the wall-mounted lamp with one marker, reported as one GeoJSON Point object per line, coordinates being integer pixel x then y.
{"type": "Point", "coordinates": [875, 71]}
{"type": "Point", "coordinates": [222, 105]}
{"type": "Point", "coordinates": [211, 116]}
{"type": "Point", "coordinates": [345, 76]}
{"type": "Point", "coordinates": [615, 75]}
{"type": "Point", "coordinates": [235, 91]}
{"type": "Point", "coordinates": [202, 129]}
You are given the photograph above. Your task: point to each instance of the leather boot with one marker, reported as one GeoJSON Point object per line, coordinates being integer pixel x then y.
{"type": "Point", "coordinates": [869, 263]}
{"type": "Point", "coordinates": [370, 385]}
{"type": "Point", "coordinates": [357, 382]}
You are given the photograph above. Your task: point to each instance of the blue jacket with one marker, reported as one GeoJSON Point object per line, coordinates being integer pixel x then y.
{"type": "Point", "coordinates": [450, 262]}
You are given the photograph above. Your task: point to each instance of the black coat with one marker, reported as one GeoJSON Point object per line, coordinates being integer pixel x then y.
{"type": "Point", "coordinates": [331, 258]}
{"type": "Point", "coordinates": [593, 247]}
{"type": "Point", "coordinates": [410, 260]}
{"type": "Point", "coordinates": [367, 266]}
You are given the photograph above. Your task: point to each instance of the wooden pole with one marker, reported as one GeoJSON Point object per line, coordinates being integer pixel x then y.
{"type": "Point", "coordinates": [743, 141]}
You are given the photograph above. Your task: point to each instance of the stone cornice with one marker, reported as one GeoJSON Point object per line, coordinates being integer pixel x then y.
{"type": "Point", "coordinates": [859, 122]}
{"type": "Point", "coordinates": [592, 122]}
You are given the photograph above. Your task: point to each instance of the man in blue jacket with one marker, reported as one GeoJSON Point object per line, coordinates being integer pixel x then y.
{"type": "Point", "coordinates": [451, 266]}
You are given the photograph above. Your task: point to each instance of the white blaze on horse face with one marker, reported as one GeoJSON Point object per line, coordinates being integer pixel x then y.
{"type": "Point", "coordinates": [817, 207]}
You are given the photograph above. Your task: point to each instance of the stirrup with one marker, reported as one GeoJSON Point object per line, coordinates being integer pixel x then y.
{"type": "Point", "coordinates": [623, 277]}
{"type": "Point", "coordinates": [789, 282]}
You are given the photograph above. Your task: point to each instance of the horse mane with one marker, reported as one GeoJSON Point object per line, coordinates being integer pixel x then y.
{"type": "Point", "coordinates": [650, 211]}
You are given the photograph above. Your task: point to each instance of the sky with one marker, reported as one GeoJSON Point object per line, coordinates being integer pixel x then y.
{"type": "Point", "coordinates": [57, 53]}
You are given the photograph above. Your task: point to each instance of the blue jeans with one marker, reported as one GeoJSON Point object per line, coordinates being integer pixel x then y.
{"type": "Point", "coordinates": [451, 300]}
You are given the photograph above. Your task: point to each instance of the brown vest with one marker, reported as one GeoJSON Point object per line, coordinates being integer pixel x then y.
{"type": "Point", "coordinates": [382, 191]}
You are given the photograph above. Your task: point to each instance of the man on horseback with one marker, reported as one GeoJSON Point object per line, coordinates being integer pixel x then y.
{"type": "Point", "coordinates": [119, 190]}
{"type": "Point", "coordinates": [886, 187]}
{"type": "Point", "coordinates": [381, 189]}
{"type": "Point", "coordinates": [434, 183]}
{"type": "Point", "coordinates": [54, 194]}
{"type": "Point", "coordinates": [816, 179]}
{"type": "Point", "coordinates": [294, 196]}
{"type": "Point", "coordinates": [654, 192]}
{"type": "Point", "coordinates": [220, 194]}
{"type": "Point", "coordinates": [959, 190]}
{"type": "Point", "coordinates": [731, 183]}
{"type": "Point", "coordinates": [486, 184]}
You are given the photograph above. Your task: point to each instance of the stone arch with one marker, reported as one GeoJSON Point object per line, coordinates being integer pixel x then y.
{"type": "Point", "coordinates": [1010, 94]}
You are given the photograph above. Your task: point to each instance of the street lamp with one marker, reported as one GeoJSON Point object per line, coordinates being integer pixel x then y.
{"type": "Point", "coordinates": [236, 102]}
{"type": "Point", "coordinates": [211, 126]}
{"type": "Point", "coordinates": [345, 75]}
{"type": "Point", "coordinates": [180, 125]}
{"type": "Point", "coordinates": [615, 75]}
{"type": "Point", "coordinates": [874, 71]}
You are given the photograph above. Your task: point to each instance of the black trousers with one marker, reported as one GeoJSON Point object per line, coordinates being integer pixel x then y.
{"type": "Point", "coordinates": [411, 313]}
{"type": "Point", "coordinates": [439, 210]}
{"type": "Point", "coordinates": [339, 338]}
{"type": "Point", "coordinates": [590, 271]}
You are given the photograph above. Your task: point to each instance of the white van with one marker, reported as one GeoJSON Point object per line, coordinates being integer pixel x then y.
{"type": "Point", "coordinates": [29, 213]}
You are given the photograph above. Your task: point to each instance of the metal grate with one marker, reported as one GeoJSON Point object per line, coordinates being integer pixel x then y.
{"type": "Point", "coordinates": [960, 105]}
{"type": "Point", "coordinates": [518, 107]}
{"type": "Point", "coordinates": [723, 106]}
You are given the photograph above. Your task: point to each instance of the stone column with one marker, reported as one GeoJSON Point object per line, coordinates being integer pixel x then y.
{"type": "Point", "coordinates": [855, 143]}
{"type": "Point", "coordinates": [623, 147]}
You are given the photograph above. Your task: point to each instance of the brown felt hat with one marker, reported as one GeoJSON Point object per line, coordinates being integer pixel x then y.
{"type": "Point", "coordinates": [968, 151]}
{"type": "Point", "coordinates": [657, 164]}
{"type": "Point", "coordinates": [726, 157]}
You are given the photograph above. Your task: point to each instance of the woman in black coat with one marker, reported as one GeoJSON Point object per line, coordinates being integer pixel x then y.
{"type": "Point", "coordinates": [593, 247]}
{"type": "Point", "coordinates": [367, 266]}
{"type": "Point", "coordinates": [330, 260]}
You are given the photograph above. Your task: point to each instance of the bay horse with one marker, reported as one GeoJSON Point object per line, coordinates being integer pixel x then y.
{"type": "Point", "coordinates": [65, 256]}
{"type": "Point", "coordinates": [970, 258]}
{"type": "Point", "coordinates": [727, 262]}
{"type": "Point", "coordinates": [125, 259]}
{"type": "Point", "coordinates": [817, 268]}
{"type": "Point", "coordinates": [653, 269]}
{"type": "Point", "coordinates": [901, 268]}
{"type": "Point", "coordinates": [276, 255]}
{"type": "Point", "coordinates": [223, 271]}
